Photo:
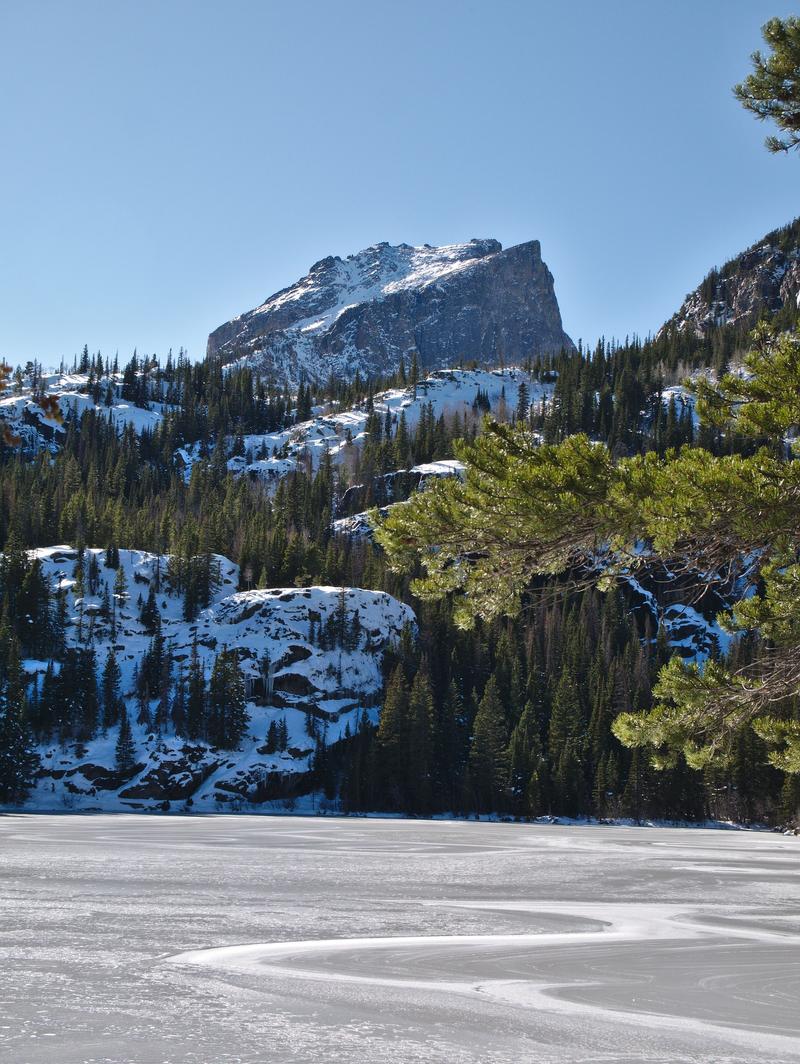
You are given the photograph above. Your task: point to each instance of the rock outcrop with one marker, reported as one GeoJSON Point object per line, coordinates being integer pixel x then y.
{"type": "Point", "coordinates": [761, 280]}
{"type": "Point", "coordinates": [310, 659]}
{"type": "Point", "coordinates": [366, 312]}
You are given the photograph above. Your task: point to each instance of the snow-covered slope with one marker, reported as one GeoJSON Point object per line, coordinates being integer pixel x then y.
{"type": "Point", "coordinates": [272, 455]}
{"type": "Point", "coordinates": [448, 392]}
{"type": "Point", "coordinates": [365, 312]}
{"type": "Point", "coordinates": [276, 635]}
{"type": "Point", "coordinates": [37, 430]}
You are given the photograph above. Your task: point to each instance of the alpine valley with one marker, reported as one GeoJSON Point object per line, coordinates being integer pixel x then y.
{"type": "Point", "coordinates": [195, 615]}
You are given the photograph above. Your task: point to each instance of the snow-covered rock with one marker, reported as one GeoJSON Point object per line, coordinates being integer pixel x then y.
{"type": "Point", "coordinates": [38, 430]}
{"type": "Point", "coordinates": [291, 673]}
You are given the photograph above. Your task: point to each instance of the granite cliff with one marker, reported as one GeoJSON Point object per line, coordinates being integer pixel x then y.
{"type": "Point", "coordinates": [363, 313]}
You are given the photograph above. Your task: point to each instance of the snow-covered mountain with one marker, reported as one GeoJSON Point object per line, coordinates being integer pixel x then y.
{"type": "Point", "coordinates": [365, 312]}
{"type": "Point", "coordinates": [290, 671]}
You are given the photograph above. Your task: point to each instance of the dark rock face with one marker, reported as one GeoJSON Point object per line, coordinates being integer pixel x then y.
{"type": "Point", "coordinates": [365, 312]}
{"type": "Point", "coordinates": [763, 278]}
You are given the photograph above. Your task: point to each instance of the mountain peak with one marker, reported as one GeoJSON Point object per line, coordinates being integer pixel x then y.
{"type": "Point", "coordinates": [366, 311]}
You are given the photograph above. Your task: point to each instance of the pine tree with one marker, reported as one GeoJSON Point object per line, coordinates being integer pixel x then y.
{"type": "Point", "coordinates": [149, 616]}
{"type": "Point", "coordinates": [422, 743]}
{"type": "Point", "coordinates": [523, 402]}
{"type": "Point", "coordinates": [111, 690]}
{"type": "Point", "coordinates": [526, 764]}
{"type": "Point", "coordinates": [227, 708]}
{"type": "Point", "coordinates": [196, 705]}
{"type": "Point", "coordinates": [178, 707]}
{"type": "Point", "coordinates": [271, 742]}
{"type": "Point", "coordinates": [488, 757]}
{"type": "Point", "coordinates": [120, 588]}
{"type": "Point", "coordinates": [772, 91]}
{"type": "Point", "coordinates": [19, 761]}
{"type": "Point", "coordinates": [125, 750]}
{"type": "Point", "coordinates": [392, 742]}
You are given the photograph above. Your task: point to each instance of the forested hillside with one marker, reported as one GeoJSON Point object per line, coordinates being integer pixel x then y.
{"type": "Point", "coordinates": [194, 464]}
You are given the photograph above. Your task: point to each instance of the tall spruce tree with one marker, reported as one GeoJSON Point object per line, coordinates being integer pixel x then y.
{"type": "Point", "coordinates": [125, 749]}
{"type": "Point", "coordinates": [526, 765]}
{"type": "Point", "coordinates": [227, 708]}
{"type": "Point", "coordinates": [392, 743]}
{"type": "Point", "coordinates": [488, 756]}
{"type": "Point", "coordinates": [422, 743]}
{"type": "Point", "coordinates": [19, 761]}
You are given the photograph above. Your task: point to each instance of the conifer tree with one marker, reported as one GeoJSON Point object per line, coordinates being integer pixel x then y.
{"type": "Point", "coordinates": [149, 615]}
{"type": "Point", "coordinates": [422, 740]}
{"type": "Point", "coordinates": [178, 707]}
{"type": "Point", "coordinates": [125, 749]}
{"type": "Point", "coordinates": [271, 743]}
{"type": "Point", "coordinates": [19, 761]}
{"type": "Point", "coordinates": [526, 764]}
{"type": "Point", "coordinates": [111, 689]}
{"type": "Point", "coordinates": [121, 587]}
{"type": "Point", "coordinates": [392, 742]}
{"type": "Point", "coordinates": [772, 91]}
{"type": "Point", "coordinates": [488, 756]}
{"type": "Point", "coordinates": [227, 709]}
{"type": "Point", "coordinates": [196, 707]}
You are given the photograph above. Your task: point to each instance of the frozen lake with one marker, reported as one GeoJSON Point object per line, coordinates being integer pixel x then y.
{"type": "Point", "coordinates": [215, 940]}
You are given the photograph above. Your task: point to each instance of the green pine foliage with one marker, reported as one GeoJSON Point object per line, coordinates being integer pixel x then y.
{"type": "Point", "coordinates": [488, 755]}
{"type": "Point", "coordinates": [528, 511]}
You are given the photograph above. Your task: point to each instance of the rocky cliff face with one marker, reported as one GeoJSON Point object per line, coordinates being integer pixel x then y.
{"type": "Point", "coordinates": [764, 278]}
{"type": "Point", "coordinates": [365, 312]}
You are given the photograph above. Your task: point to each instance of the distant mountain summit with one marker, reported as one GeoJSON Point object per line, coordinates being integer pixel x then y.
{"type": "Point", "coordinates": [763, 280]}
{"type": "Point", "coordinates": [362, 313]}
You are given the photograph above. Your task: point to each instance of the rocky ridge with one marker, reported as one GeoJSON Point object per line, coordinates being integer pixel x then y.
{"type": "Point", "coordinates": [762, 279]}
{"type": "Point", "coordinates": [367, 311]}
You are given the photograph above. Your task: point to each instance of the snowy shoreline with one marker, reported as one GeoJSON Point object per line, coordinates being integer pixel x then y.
{"type": "Point", "coordinates": [306, 810]}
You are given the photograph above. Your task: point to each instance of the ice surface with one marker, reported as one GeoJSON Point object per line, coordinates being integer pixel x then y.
{"type": "Point", "coordinates": [223, 940]}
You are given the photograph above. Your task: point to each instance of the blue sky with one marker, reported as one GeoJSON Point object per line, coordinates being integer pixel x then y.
{"type": "Point", "coordinates": [168, 165]}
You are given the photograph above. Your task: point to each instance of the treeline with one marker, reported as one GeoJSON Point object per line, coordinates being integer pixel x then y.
{"type": "Point", "coordinates": [515, 719]}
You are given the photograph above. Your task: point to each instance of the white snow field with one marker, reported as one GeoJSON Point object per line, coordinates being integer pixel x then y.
{"type": "Point", "coordinates": [233, 939]}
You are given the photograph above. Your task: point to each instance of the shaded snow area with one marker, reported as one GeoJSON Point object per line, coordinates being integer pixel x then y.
{"type": "Point", "coordinates": [276, 634]}
{"type": "Point", "coordinates": [690, 632]}
{"type": "Point", "coordinates": [448, 393]}
{"type": "Point", "coordinates": [684, 401]}
{"type": "Point", "coordinates": [242, 940]}
{"type": "Point", "coordinates": [360, 525]}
